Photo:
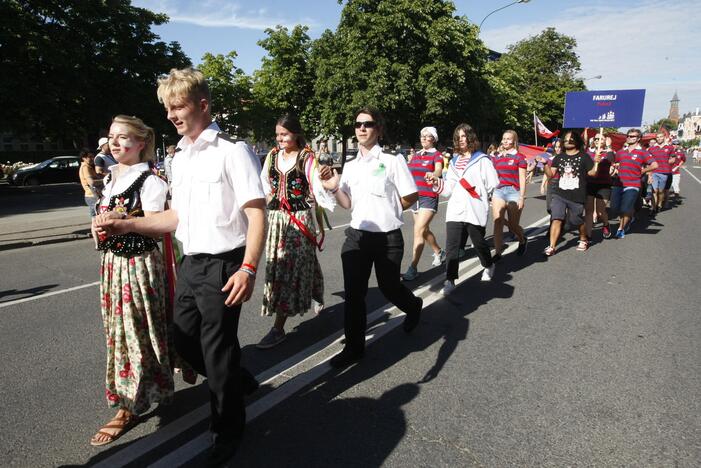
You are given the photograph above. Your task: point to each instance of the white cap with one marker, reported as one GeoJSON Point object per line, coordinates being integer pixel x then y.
{"type": "Point", "coordinates": [101, 142]}
{"type": "Point", "coordinates": [432, 131]}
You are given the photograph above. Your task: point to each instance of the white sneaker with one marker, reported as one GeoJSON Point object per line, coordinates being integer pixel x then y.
{"type": "Point", "coordinates": [448, 287]}
{"type": "Point", "coordinates": [317, 306]}
{"type": "Point", "coordinates": [488, 273]}
{"type": "Point", "coordinates": [438, 258]}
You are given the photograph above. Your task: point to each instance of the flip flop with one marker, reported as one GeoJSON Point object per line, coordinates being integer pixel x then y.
{"type": "Point", "coordinates": [124, 424]}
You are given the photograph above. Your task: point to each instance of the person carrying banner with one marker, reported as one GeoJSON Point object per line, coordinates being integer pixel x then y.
{"type": "Point", "coordinates": [469, 182]}
{"type": "Point", "coordinates": [569, 195]}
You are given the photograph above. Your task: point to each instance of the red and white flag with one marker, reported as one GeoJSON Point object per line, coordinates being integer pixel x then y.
{"type": "Point", "coordinates": [542, 129]}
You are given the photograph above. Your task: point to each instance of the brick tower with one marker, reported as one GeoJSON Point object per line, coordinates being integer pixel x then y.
{"type": "Point", "coordinates": [674, 109]}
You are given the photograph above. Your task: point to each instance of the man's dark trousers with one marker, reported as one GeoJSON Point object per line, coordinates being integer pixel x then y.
{"type": "Point", "coordinates": [205, 335]}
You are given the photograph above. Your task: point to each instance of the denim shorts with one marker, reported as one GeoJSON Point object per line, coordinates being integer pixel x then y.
{"type": "Point", "coordinates": [659, 181]}
{"type": "Point", "coordinates": [425, 203]}
{"type": "Point", "coordinates": [508, 193]}
{"type": "Point", "coordinates": [623, 200]}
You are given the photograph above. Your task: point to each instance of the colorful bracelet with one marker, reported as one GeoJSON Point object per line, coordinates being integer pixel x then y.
{"type": "Point", "coordinates": [248, 270]}
{"type": "Point", "coordinates": [249, 266]}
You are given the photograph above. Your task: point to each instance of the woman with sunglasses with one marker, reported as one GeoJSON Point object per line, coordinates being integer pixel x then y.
{"type": "Point", "coordinates": [428, 159]}
{"type": "Point", "coordinates": [599, 188]}
{"type": "Point", "coordinates": [293, 279]}
{"type": "Point", "coordinates": [376, 187]}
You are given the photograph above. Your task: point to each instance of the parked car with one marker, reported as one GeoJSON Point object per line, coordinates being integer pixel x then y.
{"type": "Point", "coordinates": [52, 171]}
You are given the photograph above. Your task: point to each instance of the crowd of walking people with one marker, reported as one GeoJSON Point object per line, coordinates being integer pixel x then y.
{"type": "Point", "coordinates": [226, 211]}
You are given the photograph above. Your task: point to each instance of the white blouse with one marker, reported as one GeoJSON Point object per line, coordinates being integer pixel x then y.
{"type": "Point", "coordinates": [153, 191]}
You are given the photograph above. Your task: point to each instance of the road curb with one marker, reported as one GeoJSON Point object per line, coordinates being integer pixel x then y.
{"type": "Point", "coordinates": [30, 243]}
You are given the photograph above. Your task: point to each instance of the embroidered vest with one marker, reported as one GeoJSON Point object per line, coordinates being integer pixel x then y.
{"type": "Point", "coordinates": [129, 202]}
{"type": "Point", "coordinates": [291, 185]}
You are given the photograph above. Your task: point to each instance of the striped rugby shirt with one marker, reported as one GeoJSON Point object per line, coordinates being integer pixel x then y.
{"type": "Point", "coordinates": [631, 164]}
{"type": "Point", "coordinates": [661, 154]}
{"type": "Point", "coordinates": [422, 163]}
{"type": "Point", "coordinates": [507, 166]}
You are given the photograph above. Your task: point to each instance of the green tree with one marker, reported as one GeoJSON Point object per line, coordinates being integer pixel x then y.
{"type": "Point", "coordinates": [284, 83]}
{"type": "Point", "coordinates": [68, 67]}
{"type": "Point", "coordinates": [231, 94]}
{"type": "Point", "coordinates": [533, 76]}
{"type": "Point", "coordinates": [414, 60]}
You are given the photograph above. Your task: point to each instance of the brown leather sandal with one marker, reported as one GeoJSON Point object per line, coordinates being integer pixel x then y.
{"type": "Point", "coordinates": [123, 423]}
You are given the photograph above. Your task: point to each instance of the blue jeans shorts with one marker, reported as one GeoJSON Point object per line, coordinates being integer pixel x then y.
{"type": "Point", "coordinates": [425, 203]}
{"type": "Point", "coordinates": [508, 193]}
{"type": "Point", "coordinates": [623, 200]}
{"type": "Point", "coordinates": [659, 181]}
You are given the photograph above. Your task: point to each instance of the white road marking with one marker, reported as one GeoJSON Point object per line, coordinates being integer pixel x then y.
{"type": "Point", "coordinates": [293, 382]}
{"type": "Point", "coordinates": [49, 294]}
{"type": "Point", "coordinates": [692, 175]}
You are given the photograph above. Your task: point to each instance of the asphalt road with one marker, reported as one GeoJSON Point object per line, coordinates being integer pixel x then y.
{"type": "Point", "coordinates": [582, 359]}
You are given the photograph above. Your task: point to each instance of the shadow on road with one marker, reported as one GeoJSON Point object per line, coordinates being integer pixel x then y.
{"type": "Point", "coordinates": [25, 293]}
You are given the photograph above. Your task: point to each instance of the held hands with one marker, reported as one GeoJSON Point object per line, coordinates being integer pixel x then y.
{"type": "Point", "coordinates": [108, 224]}
{"type": "Point", "coordinates": [240, 288]}
{"type": "Point", "coordinates": [329, 178]}
{"type": "Point", "coordinates": [431, 178]}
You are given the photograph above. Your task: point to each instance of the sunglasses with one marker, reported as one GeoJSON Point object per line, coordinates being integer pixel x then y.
{"type": "Point", "coordinates": [633, 136]}
{"type": "Point", "coordinates": [366, 124]}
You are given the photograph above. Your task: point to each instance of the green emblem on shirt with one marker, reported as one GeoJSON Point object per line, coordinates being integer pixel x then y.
{"type": "Point", "coordinates": [380, 171]}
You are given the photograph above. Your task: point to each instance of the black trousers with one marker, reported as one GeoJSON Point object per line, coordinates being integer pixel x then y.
{"type": "Point", "coordinates": [456, 236]}
{"type": "Point", "coordinates": [362, 250]}
{"type": "Point", "coordinates": [205, 335]}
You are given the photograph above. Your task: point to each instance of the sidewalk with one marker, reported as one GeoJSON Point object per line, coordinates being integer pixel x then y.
{"type": "Point", "coordinates": [44, 227]}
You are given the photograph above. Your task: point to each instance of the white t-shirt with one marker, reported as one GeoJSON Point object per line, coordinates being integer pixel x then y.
{"type": "Point", "coordinates": [213, 177]}
{"type": "Point", "coordinates": [375, 183]}
{"type": "Point", "coordinates": [153, 191]}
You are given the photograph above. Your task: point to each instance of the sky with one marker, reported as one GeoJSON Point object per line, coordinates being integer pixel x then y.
{"type": "Point", "coordinates": [642, 44]}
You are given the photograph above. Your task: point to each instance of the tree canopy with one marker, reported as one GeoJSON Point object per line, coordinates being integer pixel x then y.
{"type": "Point", "coordinates": [533, 76]}
{"type": "Point", "coordinates": [413, 59]}
{"type": "Point", "coordinates": [68, 67]}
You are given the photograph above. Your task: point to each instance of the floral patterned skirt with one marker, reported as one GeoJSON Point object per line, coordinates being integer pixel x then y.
{"type": "Point", "coordinates": [133, 303]}
{"type": "Point", "coordinates": [292, 272]}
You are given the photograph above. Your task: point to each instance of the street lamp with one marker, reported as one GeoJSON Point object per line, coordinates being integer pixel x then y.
{"type": "Point", "coordinates": [597, 77]}
{"type": "Point", "coordinates": [479, 28]}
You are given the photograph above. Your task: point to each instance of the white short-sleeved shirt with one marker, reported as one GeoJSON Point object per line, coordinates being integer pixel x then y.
{"type": "Point", "coordinates": [213, 177]}
{"type": "Point", "coordinates": [375, 183]}
{"type": "Point", "coordinates": [153, 192]}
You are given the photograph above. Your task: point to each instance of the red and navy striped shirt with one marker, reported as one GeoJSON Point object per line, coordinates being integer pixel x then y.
{"type": "Point", "coordinates": [631, 165]}
{"type": "Point", "coordinates": [662, 155]}
{"type": "Point", "coordinates": [507, 166]}
{"type": "Point", "coordinates": [681, 159]}
{"type": "Point", "coordinates": [422, 163]}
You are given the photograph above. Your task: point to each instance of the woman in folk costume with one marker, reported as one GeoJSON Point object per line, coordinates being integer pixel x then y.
{"type": "Point", "coordinates": [132, 286]}
{"type": "Point", "coordinates": [293, 279]}
{"type": "Point", "coordinates": [469, 182]}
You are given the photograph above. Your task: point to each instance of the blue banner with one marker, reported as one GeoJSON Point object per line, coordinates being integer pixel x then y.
{"type": "Point", "coordinates": [616, 108]}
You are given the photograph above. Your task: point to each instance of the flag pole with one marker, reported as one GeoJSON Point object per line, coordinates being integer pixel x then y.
{"type": "Point", "coordinates": [535, 129]}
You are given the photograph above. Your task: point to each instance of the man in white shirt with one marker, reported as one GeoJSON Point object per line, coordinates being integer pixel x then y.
{"type": "Point", "coordinates": [376, 187]}
{"type": "Point", "coordinates": [218, 212]}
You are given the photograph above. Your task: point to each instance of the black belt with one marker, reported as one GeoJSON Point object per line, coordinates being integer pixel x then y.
{"type": "Point", "coordinates": [230, 255]}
